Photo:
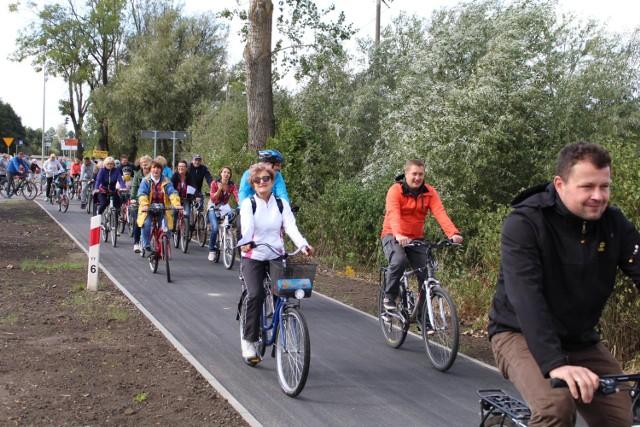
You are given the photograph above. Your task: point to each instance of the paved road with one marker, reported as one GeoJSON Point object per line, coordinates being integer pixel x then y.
{"type": "Point", "coordinates": [355, 378]}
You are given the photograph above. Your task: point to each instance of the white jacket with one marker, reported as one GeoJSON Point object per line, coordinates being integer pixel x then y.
{"type": "Point", "coordinates": [52, 168]}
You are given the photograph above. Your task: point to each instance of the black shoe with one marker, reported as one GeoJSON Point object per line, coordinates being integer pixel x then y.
{"type": "Point", "coordinates": [389, 303]}
{"type": "Point", "coordinates": [83, 206]}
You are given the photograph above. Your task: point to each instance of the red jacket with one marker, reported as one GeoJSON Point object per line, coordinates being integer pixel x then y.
{"type": "Point", "coordinates": [406, 211]}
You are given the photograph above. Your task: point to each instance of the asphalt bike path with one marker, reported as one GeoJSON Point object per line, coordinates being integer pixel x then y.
{"type": "Point", "coordinates": [355, 378]}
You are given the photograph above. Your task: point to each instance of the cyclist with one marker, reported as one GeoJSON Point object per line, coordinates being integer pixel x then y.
{"type": "Point", "coordinates": [199, 174]}
{"type": "Point", "coordinates": [13, 169]}
{"type": "Point", "coordinates": [155, 188]}
{"type": "Point", "coordinates": [219, 193]}
{"type": "Point", "coordinates": [183, 183]}
{"type": "Point", "coordinates": [75, 169]}
{"type": "Point", "coordinates": [262, 226]}
{"type": "Point", "coordinates": [145, 169]}
{"type": "Point", "coordinates": [105, 184]}
{"type": "Point", "coordinates": [275, 160]}
{"type": "Point", "coordinates": [560, 250]}
{"type": "Point", "coordinates": [51, 167]}
{"type": "Point", "coordinates": [4, 163]}
{"type": "Point", "coordinates": [408, 202]}
{"type": "Point", "coordinates": [86, 175]}
{"type": "Point", "coordinates": [125, 167]}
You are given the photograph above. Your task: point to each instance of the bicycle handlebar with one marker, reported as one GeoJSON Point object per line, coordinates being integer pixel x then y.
{"type": "Point", "coordinates": [273, 249]}
{"type": "Point", "coordinates": [421, 243]}
{"type": "Point", "coordinates": [608, 384]}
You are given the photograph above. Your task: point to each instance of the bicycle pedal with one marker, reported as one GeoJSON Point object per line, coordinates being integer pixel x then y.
{"type": "Point", "coordinates": [253, 360]}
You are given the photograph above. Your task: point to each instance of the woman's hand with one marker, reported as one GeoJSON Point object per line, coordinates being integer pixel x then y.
{"type": "Point", "coordinates": [245, 248]}
{"type": "Point", "coordinates": [307, 250]}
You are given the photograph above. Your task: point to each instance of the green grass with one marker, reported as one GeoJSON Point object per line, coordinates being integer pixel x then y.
{"type": "Point", "coordinates": [41, 265]}
{"type": "Point", "coordinates": [141, 397]}
{"type": "Point", "coordinates": [9, 319]}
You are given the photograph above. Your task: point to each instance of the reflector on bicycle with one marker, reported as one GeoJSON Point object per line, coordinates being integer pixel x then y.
{"type": "Point", "coordinates": [287, 280]}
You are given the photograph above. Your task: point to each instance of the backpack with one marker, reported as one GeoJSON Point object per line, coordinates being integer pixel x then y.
{"type": "Point", "coordinates": [278, 201]}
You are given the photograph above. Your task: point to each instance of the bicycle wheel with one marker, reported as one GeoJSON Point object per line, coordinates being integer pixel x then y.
{"type": "Point", "coordinates": [166, 254]}
{"type": "Point", "coordinates": [29, 191]}
{"type": "Point", "coordinates": [104, 226]}
{"type": "Point", "coordinates": [184, 235]}
{"type": "Point", "coordinates": [59, 201]}
{"type": "Point", "coordinates": [201, 229]}
{"type": "Point", "coordinates": [293, 351]}
{"type": "Point", "coordinates": [122, 219]}
{"type": "Point", "coordinates": [64, 202]}
{"type": "Point", "coordinates": [499, 421]}
{"type": "Point", "coordinates": [72, 191]}
{"type": "Point", "coordinates": [3, 188]}
{"type": "Point", "coordinates": [393, 328]}
{"type": "Point", "coordinates": [176, 235]}
{"type": "Point", "coordinates": [153, 260]}
{"type": "Point", "coordinates": [130, 220]}
{"type": "Point", "coordinates": [216, 252]}
{"type": "Point", "coordinates": [228, 247]}
{"type": "Point", "coordinates": [441, 336]}
{"type": "Point", "coordinates": [113, 226]}
{"type": "Point", "coordinates": [52, 190]}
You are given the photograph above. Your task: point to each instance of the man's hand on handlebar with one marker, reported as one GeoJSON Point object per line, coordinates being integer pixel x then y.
{"type": "Point", "coordinates": [582, 382]}
{"type": "Point", "coordinates": [456, 238]}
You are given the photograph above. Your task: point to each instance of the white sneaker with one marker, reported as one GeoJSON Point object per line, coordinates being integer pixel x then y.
{"type": "Point", "coordinates": [211, 255]}
{"type": "Point", "coordinates": [248, 349]}
{"type": "Point", "coordinates": [136, 248]}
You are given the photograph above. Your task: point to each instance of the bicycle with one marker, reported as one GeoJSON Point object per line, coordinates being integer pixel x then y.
{"type": "Point", "coordinates": [282, 324]}
{"type": "Point", "coordinates": [226, 241]}
{"type": "Point", "coordinates": [181, 233]}
{"type": "Point", "coordinates": [22, 187]}
{"type": "Point", "coordinates": [498, 408]}
{"type": "Point", "coordinates": [198, 221]}
{"type": "Point", "coordinates": [61, 193]}
{"type": "Point", "coordinates": [124, 220]}
{"type": "Point", "coordinates": [159, 240]}
{"type": "Point", "coordinates": [431, 308]}
{"type": "Point", "coordinates": [109, 221]}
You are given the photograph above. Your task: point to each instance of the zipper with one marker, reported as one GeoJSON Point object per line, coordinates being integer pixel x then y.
{"type": "Point", "coordinates": [584, 232]}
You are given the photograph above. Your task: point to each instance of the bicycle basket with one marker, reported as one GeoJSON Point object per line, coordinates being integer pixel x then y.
{"type": "Point", "coordinates": [285, 281]}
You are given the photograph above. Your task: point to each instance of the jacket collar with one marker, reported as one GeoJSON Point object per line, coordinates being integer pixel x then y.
{"type": "Point", "coordinates": [408, 191]}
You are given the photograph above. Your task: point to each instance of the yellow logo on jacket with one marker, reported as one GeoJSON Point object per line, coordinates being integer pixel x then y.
{"type": "Point", "coordinates": [601, 247]}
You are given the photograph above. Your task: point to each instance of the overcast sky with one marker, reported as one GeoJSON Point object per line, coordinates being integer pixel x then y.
{"type": "Point", "coordinates": [23, 88]}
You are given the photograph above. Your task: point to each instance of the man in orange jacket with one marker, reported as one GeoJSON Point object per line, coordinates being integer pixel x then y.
{"type": "Point", "coordinates": [407, 204]}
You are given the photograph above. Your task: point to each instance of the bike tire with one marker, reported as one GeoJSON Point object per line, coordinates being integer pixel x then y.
{"type": "Point", "coordinates": [216, 252]}
{"type": "Point", "coordinates": [64, 202]}
{"type": "Point", "coordinates": [130, 220]}
{"type": "Point", "coordinates": [153, 261]}
{"type": "Point", "coordinates": [499, 421]}
{"type": "Point", "coordinates": [122, 220]}
{"type": "Point", "coordinates": [166, 255]}
{"type": "Point", "coordinates": [104, 227]}
{"type": "Point", "coordinates": [3, 188]}
{"type": "Point", "coordinates": [201, 229]}
{"type": "Point", "coordinates": [113, 227]}
{"type": "Point", "coordinates": [241, 318]}
{"type": "Point", "coordinates": [393, 329]}
{"type": "Point", "coordinates": [184, 235]}
{"type": "Point", "coordinates": [29, 191]}
{"type": "Point", "coordinates": [229, 248]}
{"type": "Point", "coordinates": [442, 338]}
{"type": "Point", "coordinates": [176, 236]}
{"type": "Point", "coordinates": [71, 192]}
{"type": "Point", "coordinates": [59, 202]}
{"type": "Point", "coordinates": [293, 351]}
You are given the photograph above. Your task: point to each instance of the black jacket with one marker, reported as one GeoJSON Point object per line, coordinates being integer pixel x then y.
{"type": "Point", "coordinates": [557, 272]}
{"type": "Point", "coordinates": [198, 175]}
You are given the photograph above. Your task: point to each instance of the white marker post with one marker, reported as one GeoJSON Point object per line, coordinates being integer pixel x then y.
{"type": "Point", "coordinates": [94, 254]}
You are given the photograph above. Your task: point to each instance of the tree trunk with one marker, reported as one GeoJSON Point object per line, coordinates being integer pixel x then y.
{"type": "Point", "coordinates": [257, 55]}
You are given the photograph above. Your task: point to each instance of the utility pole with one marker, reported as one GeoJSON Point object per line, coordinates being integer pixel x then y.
{"type": "Point", "coordinates": [378, 22]}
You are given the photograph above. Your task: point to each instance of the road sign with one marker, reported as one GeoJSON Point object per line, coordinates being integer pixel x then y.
{"type": "Point", "coordinates": [8, 141]}
{"type": "Point", "coordinates": [164, 134]}
{"type": "Point", "coordinates": [98, 153]}
{"type": "Point", "coordinates": [69, 144]}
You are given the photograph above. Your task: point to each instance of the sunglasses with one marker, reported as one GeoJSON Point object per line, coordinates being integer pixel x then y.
{"type": "Point", "coordinates": [265, 178]}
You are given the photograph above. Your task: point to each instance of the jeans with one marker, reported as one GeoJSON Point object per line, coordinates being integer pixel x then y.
{"type": "Point", "coordinates": [555, 406]}
{"type": "Point", "coordinates": [10, 183]}
{"type": "Point", "coordinates": [213, 236]}
{"type": "Point", "coordinates": [146, 229]}
{"type": "Point", "coordinates": [83, 192]}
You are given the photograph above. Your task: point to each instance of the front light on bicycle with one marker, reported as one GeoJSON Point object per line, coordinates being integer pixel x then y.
{"type": "Point", "coordinates": [299, 294]}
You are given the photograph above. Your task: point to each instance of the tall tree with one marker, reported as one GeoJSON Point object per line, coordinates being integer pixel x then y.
{"type": "Point", "coordinates": [10, 125]}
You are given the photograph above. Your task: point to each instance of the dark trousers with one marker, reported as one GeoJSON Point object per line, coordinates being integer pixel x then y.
{"type": "Point", "coordinates": [396, 256]}
{"type": "Point", "coordinates": [48, 190]}
{"type": "Point", "coordinates": [103, 201]}
{"type": "Point", "coordinates": [555, 406]}
{"type": "Point", "coordinates": [253, 273]}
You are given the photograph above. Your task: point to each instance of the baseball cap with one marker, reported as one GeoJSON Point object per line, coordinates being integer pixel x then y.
{"type": "Point", "coordinates": [197, 156]}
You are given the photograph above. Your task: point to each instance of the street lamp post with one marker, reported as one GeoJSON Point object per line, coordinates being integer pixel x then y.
{"type": "Point", "coordinates": [44, 92]}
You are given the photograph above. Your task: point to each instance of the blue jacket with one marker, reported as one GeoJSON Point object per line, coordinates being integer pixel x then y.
{"type": "Point", "coordinates": [107, 178]}
{"type": "Point", "coordinates": [246, 190]}
{"type": "Point", "coordinates": [14, 165]}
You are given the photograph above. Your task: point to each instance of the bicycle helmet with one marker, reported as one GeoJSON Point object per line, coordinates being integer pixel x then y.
{"type": "Point", "coordinates": [270, 156]}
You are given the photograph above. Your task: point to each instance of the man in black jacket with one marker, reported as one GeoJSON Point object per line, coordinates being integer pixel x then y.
{"type": "Point", "coordinates": [199, 173]}
{"type": "Point", "coordinates": [560, 250]}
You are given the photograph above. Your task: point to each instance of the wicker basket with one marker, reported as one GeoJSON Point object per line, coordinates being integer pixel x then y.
{"type": "Point", "coordinates": [286, 280]}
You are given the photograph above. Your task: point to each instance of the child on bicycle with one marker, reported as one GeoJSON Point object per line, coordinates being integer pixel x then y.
{"type": "Point", "coordinates": [262, 225]}
{"type": "Point", "coordinates": [220, 192]}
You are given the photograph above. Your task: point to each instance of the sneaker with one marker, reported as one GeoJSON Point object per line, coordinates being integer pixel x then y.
{"type": "Point", "coordinates": [248, 349]}
{"type": "Point", "coordinates": [83, 206]}
{"type": "Point", "coordinates": [389, 303]}
{"type": "Point", "coordinates": [212, 254]}
{"type": "Point", "coordinates": [136, 248]}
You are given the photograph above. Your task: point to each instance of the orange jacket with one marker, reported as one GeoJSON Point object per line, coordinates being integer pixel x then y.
{"type": "Point", "coordinates": [406, 212]}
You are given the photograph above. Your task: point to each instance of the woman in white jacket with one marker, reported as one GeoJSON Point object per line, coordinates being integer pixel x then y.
{"type": "Point", "coordinates": [51, 168]}
{"type": "Point", "coordinates": [262, 225]}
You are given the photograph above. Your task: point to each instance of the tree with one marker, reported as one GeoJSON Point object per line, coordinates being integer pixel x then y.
{"type": "Point", "coordinates": [301, 23]}
{"type": "Point", "coordinates": [81, 45]}
{"type": "Point", "coordinates": [10, 126]}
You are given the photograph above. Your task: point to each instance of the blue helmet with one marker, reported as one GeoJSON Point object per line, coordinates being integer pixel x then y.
{"type": "Point", "coordinates": [270, 156]}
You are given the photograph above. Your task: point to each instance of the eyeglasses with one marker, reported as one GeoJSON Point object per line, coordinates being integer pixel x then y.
{"type": "Point", "coordinates": [265, 178]}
